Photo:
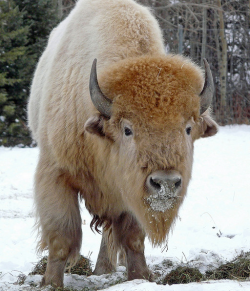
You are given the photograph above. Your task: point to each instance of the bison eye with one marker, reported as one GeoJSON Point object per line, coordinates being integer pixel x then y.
{"type": "Point", "coordinates": [188, 130]}
{"type": "Point", "coordinates": [128, 131]}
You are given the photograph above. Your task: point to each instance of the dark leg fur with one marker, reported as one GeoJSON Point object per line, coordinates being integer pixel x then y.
{"type": "Point", "coordinates": [129, 235]}
{"type": "Point", "coordinates": [103, 264]}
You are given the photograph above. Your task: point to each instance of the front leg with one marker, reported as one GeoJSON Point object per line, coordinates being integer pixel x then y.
{"type": "Point", "coordinates": [128, 233]}
{"type": "Point", "coordinates": [104, 265]}
{"type": "Point", "coordinates": [59, 220]}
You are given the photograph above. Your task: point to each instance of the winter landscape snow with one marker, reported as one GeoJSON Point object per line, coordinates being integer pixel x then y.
{"type": "Point", "coordinates": [213, 224]}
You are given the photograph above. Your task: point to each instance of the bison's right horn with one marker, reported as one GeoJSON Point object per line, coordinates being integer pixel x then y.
{"type": "Point", "coordinates": [101, 102]}
{"type": "Point", "coordinates": [208, 89]}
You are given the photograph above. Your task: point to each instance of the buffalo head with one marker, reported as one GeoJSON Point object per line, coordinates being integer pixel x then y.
{"type": "Point", "coordinates": [150, 110]}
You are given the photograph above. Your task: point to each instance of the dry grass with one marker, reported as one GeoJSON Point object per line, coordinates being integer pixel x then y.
{"type": "Point", "coordinates": [237, 269]}
{"type": "Point", "coordinates": [182, 275]}
{"type": "Point", "coordinates": [40, 267]}
{"type": "Point", "coordinates": [82, 267]}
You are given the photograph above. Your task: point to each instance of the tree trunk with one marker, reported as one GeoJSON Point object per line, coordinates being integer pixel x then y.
{"type": "Point", "coordinates": [204, 33]}
{"type": "Point", "coordinates": [223, 57]}
{"type": "Point", "coordinates": [60, 9]}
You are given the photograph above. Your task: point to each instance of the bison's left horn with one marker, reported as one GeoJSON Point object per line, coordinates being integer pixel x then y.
{"type": "Point", "coordinates": [101, 102]}
{"type": "Point", "coordinates": [208, 89]}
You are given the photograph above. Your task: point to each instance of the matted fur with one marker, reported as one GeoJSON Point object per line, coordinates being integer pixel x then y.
{"type": "Point", "coordinates": [84, 153]}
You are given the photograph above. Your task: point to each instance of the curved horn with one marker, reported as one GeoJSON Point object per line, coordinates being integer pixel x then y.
{"type": "Point", "coordinates": [100, 101]}
{"type": "Point", "coordinates": [208, 89]}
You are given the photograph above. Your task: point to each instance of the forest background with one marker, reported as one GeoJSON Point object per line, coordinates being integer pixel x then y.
{"type": "Point", "coordinates": [218, 30]}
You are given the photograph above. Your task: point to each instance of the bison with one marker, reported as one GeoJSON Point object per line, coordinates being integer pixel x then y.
{"type": "Point", "coordinates": [115, 118]}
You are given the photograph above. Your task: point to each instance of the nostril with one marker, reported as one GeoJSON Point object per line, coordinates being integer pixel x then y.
{"type": "Point", "coordinates": [154, 184]}
{"type": "Point", "coordinates": [178, 184]}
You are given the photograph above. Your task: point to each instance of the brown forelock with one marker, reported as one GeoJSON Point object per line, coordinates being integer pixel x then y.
{"type": "Point", "coordinates": [159, 91]}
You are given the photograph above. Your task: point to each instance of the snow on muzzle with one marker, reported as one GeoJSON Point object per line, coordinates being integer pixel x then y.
{"type": "Point", "coordinates": [164, 188]}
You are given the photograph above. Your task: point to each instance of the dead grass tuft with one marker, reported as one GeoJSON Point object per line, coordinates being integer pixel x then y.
{"type": "Point", "coordinates": [182, 275]}
{"type": "Point", "coordinates": [237, 269]}
{"type": "Point", "coordinates": [82, 267]}
{"type": "Point", "coordinates": [40, 267]}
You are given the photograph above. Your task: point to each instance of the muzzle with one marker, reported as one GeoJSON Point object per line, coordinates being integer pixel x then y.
{"type": "Point", "coordinates": [164, 188]}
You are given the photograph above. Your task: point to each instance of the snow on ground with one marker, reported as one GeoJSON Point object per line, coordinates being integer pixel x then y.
{"type": "Point", "coordinates": [213, 224]}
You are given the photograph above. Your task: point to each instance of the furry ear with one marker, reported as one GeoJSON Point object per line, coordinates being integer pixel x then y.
{"type": "Point", "coordinates": [208, 125]}
{"type": "Point", "coordinates": [94, 125]}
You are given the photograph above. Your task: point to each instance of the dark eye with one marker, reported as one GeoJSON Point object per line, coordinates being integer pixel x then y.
{"type": "Point", "coordinates": [188, 130]}
{"type": "Point", "coordinates": [128, 131]}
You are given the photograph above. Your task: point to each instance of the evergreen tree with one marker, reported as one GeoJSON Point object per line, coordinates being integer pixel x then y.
{"type": "Point", "coordinates": [41, 16]}
{"type": "Point", "coordinates": [13, 38]}
{"type": "Point", "coordinates": [24, 29]}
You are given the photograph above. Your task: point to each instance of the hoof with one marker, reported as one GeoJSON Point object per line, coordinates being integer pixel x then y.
{"type": "Point", "coordinates": [53, 283]}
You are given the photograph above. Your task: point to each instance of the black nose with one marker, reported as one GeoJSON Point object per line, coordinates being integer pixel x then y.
{"type": "Point", "coordinates": [168, 181]}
